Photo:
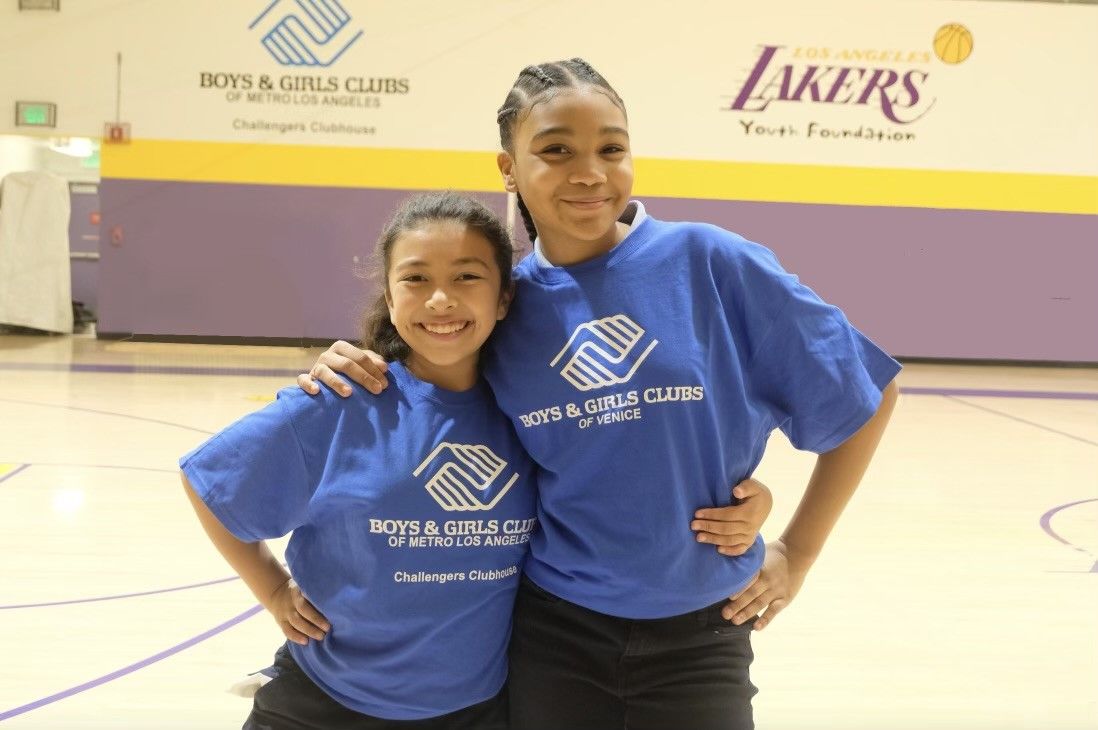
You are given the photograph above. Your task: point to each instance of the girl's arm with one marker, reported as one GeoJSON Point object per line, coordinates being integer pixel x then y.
{"type": "Point", "coordinates": [831, 486]}
{"type": "Point", "coordinates": [264, 575]}
{"type": "Point", "coordinates": [730, 530]}
{"type": "Point", "coordinates": [362, 366]}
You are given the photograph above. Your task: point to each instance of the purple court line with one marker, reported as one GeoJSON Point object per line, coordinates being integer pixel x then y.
{"type": "Point", "coordinates": [120, 595]}
{"type": "Point", "coordinates": [1046, 525]}
{"type": "Point", "coordinates": [7, 714]}
{"type": "Point", "coordinates": [101, 466]}
{"type": "Point", "coordinates": [13, 472]}
{"type": "Point", "coordinates": [286, 373]}
{"type": "Point", "coordinates": [104, 413]}
{"type": "Point", "coordinates": [1046, 521]}
{"type": "Point", "coordinates": [1049, 394]}
{"type": "Point", "coordinates": [1025, 421]}
{"type": "Point", "coordinates": [146, 369]}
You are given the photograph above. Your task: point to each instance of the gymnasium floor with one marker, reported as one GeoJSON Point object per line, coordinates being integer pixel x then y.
{"type": "Point", "coordinates": [959, 591]}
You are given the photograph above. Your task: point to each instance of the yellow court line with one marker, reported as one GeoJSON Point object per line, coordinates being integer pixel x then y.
{"type": "Point", "coordinates": [363, 167]}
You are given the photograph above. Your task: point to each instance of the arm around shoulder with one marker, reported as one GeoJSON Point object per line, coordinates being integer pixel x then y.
{"type": "Point", "coordinates": [362, 366]}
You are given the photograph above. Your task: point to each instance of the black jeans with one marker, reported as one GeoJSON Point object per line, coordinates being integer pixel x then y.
{"type": "Point", "coordinates": [578, 669]}
{"type": "Point", "coordinates": [291, 701]}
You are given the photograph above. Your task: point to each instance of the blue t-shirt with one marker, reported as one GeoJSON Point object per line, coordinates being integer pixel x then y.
{"type": "Point", "coordinates": [645, 384]}
{"type": "Point", "coordinates": [411, 515]}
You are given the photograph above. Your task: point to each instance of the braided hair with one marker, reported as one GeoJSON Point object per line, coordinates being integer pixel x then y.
{"type": "Point", "coordinates": [535, 83]}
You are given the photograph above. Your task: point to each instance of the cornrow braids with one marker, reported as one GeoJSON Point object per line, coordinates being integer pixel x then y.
{"type": "Point", "coordinates": [527, 219]}
{"type": "Point", "coordinates": [538, 73]}
{"type": "Point", "coordinates": [584, 65]}
{"type": "Point", "coordinates": [538, 82]}
{"type": "Point", "coordinates": [535, 81]}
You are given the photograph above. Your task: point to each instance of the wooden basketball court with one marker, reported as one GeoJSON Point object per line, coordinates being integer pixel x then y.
{"type": "Point", "coordinates": [960, 590]}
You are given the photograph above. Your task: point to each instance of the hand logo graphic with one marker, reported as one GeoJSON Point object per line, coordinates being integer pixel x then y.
{"type": "Point", "coordinates": [306, 32]}
{"type": "Point", "coordinates": [600, 359]}
{"type": "Point", "coordinates": [468, 468]}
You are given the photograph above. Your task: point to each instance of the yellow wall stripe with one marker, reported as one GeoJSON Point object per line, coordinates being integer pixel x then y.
{"type": "Point", "coordinates": [869, 186]}
{"type": "Point", "coordinates": [352, 167]}
{"type": "Point", "coordinates": [360, 167]}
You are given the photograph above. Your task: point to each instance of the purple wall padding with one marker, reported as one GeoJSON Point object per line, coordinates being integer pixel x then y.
{"type": "Point", "coordinates": [205, 259]}
{"type": "Point", "coordinates": [935, 283]}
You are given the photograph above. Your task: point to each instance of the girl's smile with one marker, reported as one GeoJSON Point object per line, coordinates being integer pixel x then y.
{"type": "Point", "coordinates": [572, 166]}
{"type": "Point", "coordinates": [446, 330]}
{"type": "Point", "coordinates": [587, 204]}
{"type": "Point", "coordinates": [444, 299]}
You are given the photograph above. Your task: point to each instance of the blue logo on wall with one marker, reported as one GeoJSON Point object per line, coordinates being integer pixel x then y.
{"type": "Point", "coordinates": [306, 32]}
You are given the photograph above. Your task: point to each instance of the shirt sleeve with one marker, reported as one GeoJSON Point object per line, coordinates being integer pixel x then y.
{"type": "Point", "coordinates": [818, 376]}
{"type": "Point", "coordinates": [257, 476]}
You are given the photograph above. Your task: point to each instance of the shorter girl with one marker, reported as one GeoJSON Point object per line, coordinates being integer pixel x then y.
{"type": "Point", "coordinates": [411, 512]}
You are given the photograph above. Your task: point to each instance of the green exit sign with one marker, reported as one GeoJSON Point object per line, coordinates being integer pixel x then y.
{"type": "Point", "coordinates": [35, 114]}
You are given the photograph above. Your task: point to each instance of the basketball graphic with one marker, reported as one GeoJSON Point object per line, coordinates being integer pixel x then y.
{"type": "Point", "coordinates": [953, 43]}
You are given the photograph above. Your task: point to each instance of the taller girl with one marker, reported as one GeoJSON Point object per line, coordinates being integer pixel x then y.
{"type": "Point", "coordinates": [644, 365]}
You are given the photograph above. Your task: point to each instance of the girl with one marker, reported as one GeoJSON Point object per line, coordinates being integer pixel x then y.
{"type": "Point", "coordinates": [410, 512]}
{"type": "Point", "coordinates": [644, 364]}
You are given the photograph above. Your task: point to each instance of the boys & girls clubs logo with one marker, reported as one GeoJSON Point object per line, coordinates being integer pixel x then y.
{"type": "Point", "coordinates": [466, 477]}
{"type": "Point", "coordinates": [894, 85]}
{"type": "Point", "coordinates": [311, 36]}
{"type": "Point", "coordinates": [601, 353]}
{"type": "Point", "coordinates": [306, 32]}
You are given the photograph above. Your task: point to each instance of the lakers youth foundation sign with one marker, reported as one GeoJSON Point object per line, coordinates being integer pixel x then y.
{"type": "Point", "coordinates": [889, 89]}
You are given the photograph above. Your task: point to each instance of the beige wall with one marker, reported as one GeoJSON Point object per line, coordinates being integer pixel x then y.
{"type": "Point", "coordinates": [1022, 101]}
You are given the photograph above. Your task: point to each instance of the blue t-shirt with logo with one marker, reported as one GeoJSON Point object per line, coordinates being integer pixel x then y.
{"type": "Point", "coordinates": [411, 515]}
{"type": "Point", "coordinates": [645, 384]}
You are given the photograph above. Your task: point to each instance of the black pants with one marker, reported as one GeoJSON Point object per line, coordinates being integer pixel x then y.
{"type": "Point", "coordinates": [581, 670]}
{"type": "Point", "coordinates": [291, 701]}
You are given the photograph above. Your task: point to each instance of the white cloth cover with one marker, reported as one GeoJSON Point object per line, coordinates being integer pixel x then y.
{"type": "Point", "coordinates": [35, 272]}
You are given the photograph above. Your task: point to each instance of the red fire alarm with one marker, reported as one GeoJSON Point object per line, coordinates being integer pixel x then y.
{"type": "Point", "coordinates": [116, 132]}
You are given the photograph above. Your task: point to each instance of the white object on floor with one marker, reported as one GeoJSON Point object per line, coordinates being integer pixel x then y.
{"type": "Point", "coordinates": [35, 275]}
{"type": "Point", "coordinates": [248, 686]}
